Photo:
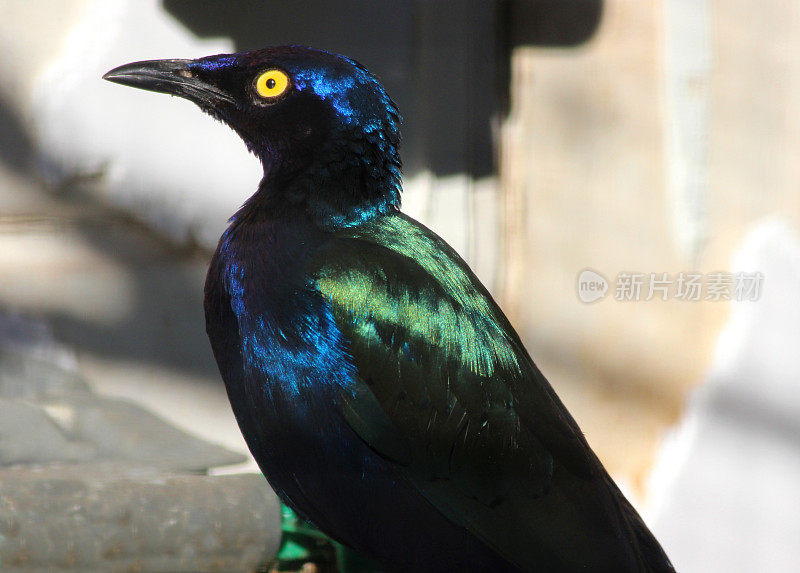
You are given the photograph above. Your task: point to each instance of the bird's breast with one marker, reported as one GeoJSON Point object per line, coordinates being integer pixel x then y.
{"type": "Point", "coordinates": [260, 296]}
{"type": "Point", "coordinates": [280, 353]}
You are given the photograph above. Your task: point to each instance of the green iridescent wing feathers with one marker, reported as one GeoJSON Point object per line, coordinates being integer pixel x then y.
{"type": "Point", "coordinates": [446, 389]}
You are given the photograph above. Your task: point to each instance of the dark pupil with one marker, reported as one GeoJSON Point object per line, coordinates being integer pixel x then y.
{"type": "Point", "coordinates": [270, 83]}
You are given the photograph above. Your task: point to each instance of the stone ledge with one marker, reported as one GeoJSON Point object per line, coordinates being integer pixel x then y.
{"type": "Point", "coordinates": [113, 517]}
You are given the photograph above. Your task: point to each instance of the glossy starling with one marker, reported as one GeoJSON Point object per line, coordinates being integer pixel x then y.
{"type": "Point", "coordinates": [382, 391]}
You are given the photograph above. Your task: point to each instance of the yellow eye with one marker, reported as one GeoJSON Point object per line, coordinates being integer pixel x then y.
{"type": "Point", "coordinates": [272, 83]}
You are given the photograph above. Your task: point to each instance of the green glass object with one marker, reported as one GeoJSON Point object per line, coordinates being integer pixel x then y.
{"type": "Point", "coordinates": [303, 543]}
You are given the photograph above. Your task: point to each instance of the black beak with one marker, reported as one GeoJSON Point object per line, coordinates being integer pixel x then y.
{"type": "Point", "coordinates": [170, 77]}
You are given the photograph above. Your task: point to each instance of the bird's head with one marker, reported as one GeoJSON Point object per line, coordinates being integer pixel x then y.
{"type": "Point", "coordinates": [322, 125]}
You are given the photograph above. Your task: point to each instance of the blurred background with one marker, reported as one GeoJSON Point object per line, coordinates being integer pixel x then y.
{"type": "Point", "coordinates": [643, 139]}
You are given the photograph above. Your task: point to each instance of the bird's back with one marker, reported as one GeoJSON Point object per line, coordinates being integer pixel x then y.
{"type": "Point", "coordinates": [482, 434]}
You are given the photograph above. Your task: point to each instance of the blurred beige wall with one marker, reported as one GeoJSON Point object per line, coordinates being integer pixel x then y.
{"type": "Point", "coordinates": [32, 32]}
{"type": "Point", "coordinates": [585, 173]}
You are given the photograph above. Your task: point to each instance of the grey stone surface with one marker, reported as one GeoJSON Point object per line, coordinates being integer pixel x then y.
{"type": "Point", "coordinates": [118, 429]}
{"type": "Point", "coordinates": [29, 435]}
{"type": "Point", "coordinates": [32, 377]}
{"type": "Point", "coordinates": [86, 427]}
{"type": "Point", "coordinates": [113, 517]}
{"type": "Point", "coordinates": [62, 420]}
{"type": "Point", "coordinates": [34, 339]}
{"type": "Point", "coordinates": [91, 483]}
{"type": "Point", "coordinates": [32, 363]}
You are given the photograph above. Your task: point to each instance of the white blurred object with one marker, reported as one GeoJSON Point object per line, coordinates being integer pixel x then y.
{"type": "Point", "coordinates": [164, 161]}
{"type": "Point", "coordinates": [726, 488]}
{"type": "Point", "coordinates": [687, 70]}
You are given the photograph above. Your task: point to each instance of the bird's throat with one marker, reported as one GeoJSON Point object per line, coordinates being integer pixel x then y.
{"type": "Point", "coordinates": [333, 190]}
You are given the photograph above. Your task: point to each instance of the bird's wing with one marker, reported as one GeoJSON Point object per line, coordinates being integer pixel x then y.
{"type": "Point", "coordinates": [446, 390]}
